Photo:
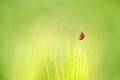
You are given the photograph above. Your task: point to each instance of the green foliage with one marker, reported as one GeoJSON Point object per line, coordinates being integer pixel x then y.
{"type": "Point", "coordinates": [74, 67]}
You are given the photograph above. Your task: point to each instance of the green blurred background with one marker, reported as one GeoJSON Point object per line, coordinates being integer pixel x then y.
{"type": "Point", "coordinates": [30, 29]}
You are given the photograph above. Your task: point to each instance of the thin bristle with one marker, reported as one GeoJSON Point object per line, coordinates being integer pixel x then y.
{"type": "Point", "coordinates": [75, 67]}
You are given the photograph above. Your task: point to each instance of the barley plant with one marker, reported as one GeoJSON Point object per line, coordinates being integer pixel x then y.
{"type": "Point", "coordinates": [73, 67]}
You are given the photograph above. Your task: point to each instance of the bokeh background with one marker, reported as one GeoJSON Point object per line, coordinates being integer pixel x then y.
{"type": "Point", "coordinates": [31, 29]}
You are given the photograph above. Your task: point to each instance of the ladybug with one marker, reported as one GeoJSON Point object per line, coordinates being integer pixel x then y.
{"type": "Point", "coordinates": [82, 35]}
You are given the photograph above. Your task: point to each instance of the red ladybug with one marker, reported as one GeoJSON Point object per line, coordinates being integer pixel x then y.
{"type": "Point", "coordinates": [82, 35]}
